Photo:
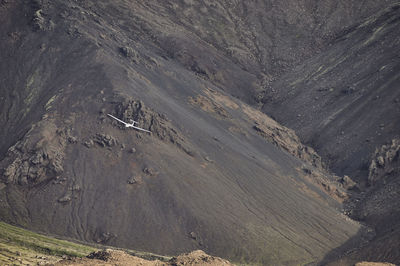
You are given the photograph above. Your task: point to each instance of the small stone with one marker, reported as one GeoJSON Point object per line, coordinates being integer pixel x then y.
{"type": "Point", "coordinates": [89, 143]}
{"type": "Point", "coordinates": [149, 171]}
{"type": "Point", "coordinates": [307, 170]}
{"type": "Point", "coordinates": [380, 161]}
{"type": "Point", "coordinates": [135, 180]}
{"type": "Point", "coordinates": [127, 51]}
{"type": "Point", "coordinates": [193, 235]}
{"type": "Point", "coordinates": [208, 159]}
{"type": "Point", "coordinates": [132, 150]}
{"type": "Point", "coordinates": [72, 139]}
{"type": "Point", "coordinates": [347, 182]}
{"type": "Point", "coordinates": [65, 199]}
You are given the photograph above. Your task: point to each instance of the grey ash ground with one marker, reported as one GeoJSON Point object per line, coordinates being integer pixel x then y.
{"type": "Point", "coordinates": [318, 184]}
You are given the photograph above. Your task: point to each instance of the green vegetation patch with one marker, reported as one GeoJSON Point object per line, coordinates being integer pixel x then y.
{"type": "Point", "coordinates": [17, 244]}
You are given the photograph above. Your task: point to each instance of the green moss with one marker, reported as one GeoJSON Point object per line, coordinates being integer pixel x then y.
{"type": "Point", "coordinates": [17, 244]}
{"type": "Point", "coordinates": [31, 246]}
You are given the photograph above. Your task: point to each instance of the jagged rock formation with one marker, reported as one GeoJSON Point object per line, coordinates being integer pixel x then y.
{"type": "Point", "coordinates": [157, 123]}
{"type": "Point", "coordinates": [379, 207]}
{"type": "Point", "coordinates": [38, 158]}
{"type": "Point", "coordinates": [385, 162]}
{"type": "Point", "coordinates": [282, 137]}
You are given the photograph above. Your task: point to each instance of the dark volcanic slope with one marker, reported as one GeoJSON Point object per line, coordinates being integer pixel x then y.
{"type": "Point", "coordinates": [345, 102]}
{"type": "Point", "coordinates": [215, 174]}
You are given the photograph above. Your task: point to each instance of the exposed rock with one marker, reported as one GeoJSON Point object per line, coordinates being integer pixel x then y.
{"type": "Point", "coordinates": [72, 140]}
{"type": "Point", "coordinates": [100, 255]}
{"type": "Point", "coordinates": [38, 157]}
{"type": "Point", "coordinates": [193, 235]}
{"type": "Point", "coordinates": [307, 170]}
{"type": "Point", "coordinates": [40, 20]}
{"type": "Point", "coordinates": [364, 263]}
{"type": "Point", "coordinates": [385, 161]}
{"type": "Point", "coordinates": [380, 161]}
{"type": "Point", "coordinates": [135, 180]}
{"type": "Point", "coordinates": [198, 257]}
{"type": "Point", "coordinates": [105, 140]}
{"type": "Point", "coordinates": [89, 143]}
{"type": "Point", "coordinates": [149, 171]}
{"type": "Point", "coordinates": [128, 52]}
{"type": "Point", "coordinates": [65, 199]}
{"type": "Point", "coordinates": [209, 106]}
{"type": "Point", "coordinates": [157, 123]}
{"type": "Point", "coordinates": [282, 137]}
{"type": "Point", "coordinates": [347, 182]}
{"type": "Point", "coordinates": [76, 188]}
{"type": "Point", "coordinates": [208, 159]}
{"type": "Point", "coordinates": [118, 257]}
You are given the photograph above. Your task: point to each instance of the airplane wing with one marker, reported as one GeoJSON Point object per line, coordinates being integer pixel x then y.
{"type": "Point", "coordinates": [118, 119]}
{"type": "Point", "coordinates": [138, 128]}
{"type": "Point", "coordinates": [129, 125]}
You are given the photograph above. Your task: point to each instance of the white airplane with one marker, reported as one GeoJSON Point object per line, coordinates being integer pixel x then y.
{"type": "Point", "coordinates": [132, 124]}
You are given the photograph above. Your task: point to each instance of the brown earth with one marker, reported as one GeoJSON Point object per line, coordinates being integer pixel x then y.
{"type": "Point", "coordinates": [115, 257]}
{"type": "Point", "coordinates": [373, 264]}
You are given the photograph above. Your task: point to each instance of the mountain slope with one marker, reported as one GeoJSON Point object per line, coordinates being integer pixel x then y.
{"type": "Point", "coordinates": [345, 101]}
{"type": "Point", "coordinates": [214, 174]}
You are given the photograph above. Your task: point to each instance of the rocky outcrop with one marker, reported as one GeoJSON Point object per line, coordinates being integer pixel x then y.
{"type": "Point", "coordinates": [118, 257]}
{"type": "Point", "coordinates": [364, 263]}
{"type": "Point", "coordinates": [209, 106]}
{"type": "Point", "coordinates": [282, 137]}
{"type": "Point", "coordinates": [158, 124]}
{"type": "Point", "coordinates": [385, 162]}
{"type": "Point", "coordinates": [105, 140]}
{"type": "Point", "coordinates": [41, 20]}
{"type": "Point", "coordinates": [347, 182]}
{"type": "Point", "coordinates": [38, 157]}
{"type": "Point", "coordinates": [198, 257]}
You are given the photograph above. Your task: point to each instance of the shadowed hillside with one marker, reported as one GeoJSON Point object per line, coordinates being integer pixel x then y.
{"type": "Point", "coordinates": [344, 102]}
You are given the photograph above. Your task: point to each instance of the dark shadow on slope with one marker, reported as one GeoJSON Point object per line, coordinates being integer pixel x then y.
{"type": "Point", "coordinates": [380, 210]}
